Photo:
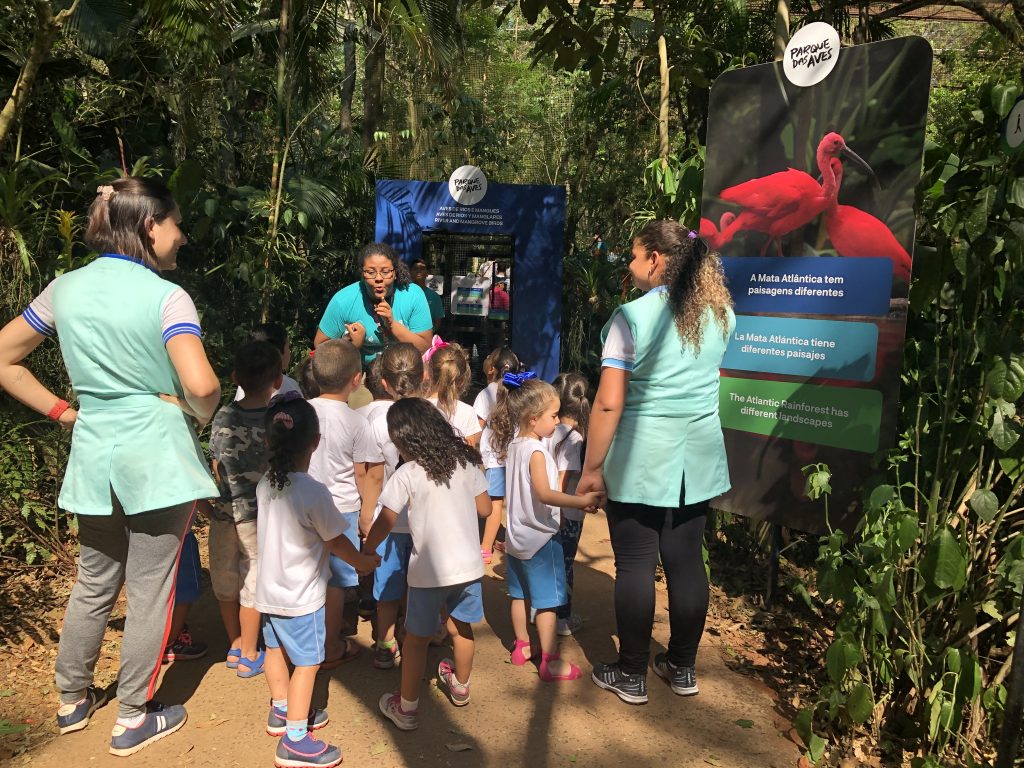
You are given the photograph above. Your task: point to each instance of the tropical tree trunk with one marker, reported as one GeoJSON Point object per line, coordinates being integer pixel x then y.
{"type": "Point", "coordinates": [280, 153]}
{"type": "Point", "coordinates": [663, 104]}
{"type": "Point", "coordinates": [348, 80]}
{"type": "Point", "coordinates": [781, 28]}
{"type": "Point", "coordinates": [373, 73]}
{"type": "Point", "coordinates": [48, 26]}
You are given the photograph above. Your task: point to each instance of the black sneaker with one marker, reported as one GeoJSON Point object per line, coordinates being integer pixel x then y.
{"type": "Point", "coordinates": [184, 648]}
{"type": "Point", "coordinates": [682, 680]}
{"type": "Point", "coordinates": [632, 689]}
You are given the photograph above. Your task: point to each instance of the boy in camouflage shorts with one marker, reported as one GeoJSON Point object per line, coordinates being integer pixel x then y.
{"type": "Point", "coordinates": [238, 447]}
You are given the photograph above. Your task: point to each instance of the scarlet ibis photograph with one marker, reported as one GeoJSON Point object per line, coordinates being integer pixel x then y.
{"type": "Point", "coordinates": [827, 170]}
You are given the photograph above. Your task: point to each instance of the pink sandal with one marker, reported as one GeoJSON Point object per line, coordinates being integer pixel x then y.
{"type": "Point", "coordinates": [518, 657]}
{"type": "Point", "coordinates": [545, 674]}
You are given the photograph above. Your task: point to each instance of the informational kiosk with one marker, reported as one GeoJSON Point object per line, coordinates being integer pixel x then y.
{"type": "Point", "coordinates": [808, 195]}
{"type": "Point", "coordinates": [496, 255]}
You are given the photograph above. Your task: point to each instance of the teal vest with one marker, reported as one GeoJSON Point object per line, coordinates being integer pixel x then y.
{"type": "Point", "coordinates": [670, 433]}
{"type": "Point", "coordinates": [108, 319]}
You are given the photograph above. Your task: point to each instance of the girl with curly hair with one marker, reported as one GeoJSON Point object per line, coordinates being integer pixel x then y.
{"type": "Point", "coordinates": [441, 486]}
{"type": "Point", "coordinates": [299, 528]}
{"type": "Point", "coordinates": [655, 448]}
{"type": "Point", "coordinates": [523, 418]}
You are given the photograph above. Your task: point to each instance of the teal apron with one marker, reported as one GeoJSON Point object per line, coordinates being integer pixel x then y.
{"type": "Point", "coordinates": [108, 319]}
{"type": "Point", "coordinates": [670, 432]}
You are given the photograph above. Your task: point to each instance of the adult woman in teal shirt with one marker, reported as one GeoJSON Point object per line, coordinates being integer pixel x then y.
{"type": "Point", "coordinates": [384, 307]}
{"type": "Point", "coordinates": [655, 448]}
{"type": "Point", "coordinates": [132, 347]}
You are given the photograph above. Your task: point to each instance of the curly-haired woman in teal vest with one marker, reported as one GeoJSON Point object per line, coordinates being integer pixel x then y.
{"type": "Point", "coordinates": [132, 347]}
{"type": "Point", "coordinates": [655, 448]}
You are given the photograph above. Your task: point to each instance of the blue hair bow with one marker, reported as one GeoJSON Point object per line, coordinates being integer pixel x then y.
{"type": "Point", "coordinates": [515, 380]}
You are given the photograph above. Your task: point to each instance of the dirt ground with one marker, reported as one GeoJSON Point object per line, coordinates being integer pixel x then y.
{"type": "Point", "coordinates": [514, 718]}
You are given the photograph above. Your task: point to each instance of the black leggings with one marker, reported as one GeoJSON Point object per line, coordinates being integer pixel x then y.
{"type": "Point", "coordinates": [638, 533]}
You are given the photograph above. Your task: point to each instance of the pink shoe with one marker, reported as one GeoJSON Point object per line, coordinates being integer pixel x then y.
{"type": "Point", "coordinates": [518, 657]}
{"type": "Point", "coordinates": [545, 673]}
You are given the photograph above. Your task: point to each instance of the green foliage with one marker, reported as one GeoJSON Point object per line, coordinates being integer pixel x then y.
{"type": "Point", "coordinates": [926, 587]}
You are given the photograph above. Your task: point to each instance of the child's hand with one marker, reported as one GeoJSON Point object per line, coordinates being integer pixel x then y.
{"type": "Point", "coordinates": [368, 563]}
{"type": "Point", "coordinates": [592, 500]}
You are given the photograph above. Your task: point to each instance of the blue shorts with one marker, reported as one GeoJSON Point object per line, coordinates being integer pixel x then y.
{"type": "Point", "coordinates": [541, 579]}
{"type": "Point", "coordinates": [187, 585]}
{"type": "Point", "coordinates": [302, 637]}
{"type": "Point", "coordinates": [389, 579]}
{"type": "Point", "coordinates": [495, 482]}
{"type": "Point", "coordinates": [463, 602]}
{"type": "Point", "coordinates": [343, 574]}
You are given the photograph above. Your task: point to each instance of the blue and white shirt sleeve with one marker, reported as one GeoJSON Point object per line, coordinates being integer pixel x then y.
{"type": "Point", "coordinates": [179, 316]}
{"type": "Point", "coordinates": [619, 349]}
{"type": "Point", "coordinates": [39, 314]}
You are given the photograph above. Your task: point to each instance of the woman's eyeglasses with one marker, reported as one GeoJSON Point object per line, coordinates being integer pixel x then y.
{"type": "Point", "coordinates": [369, 274]}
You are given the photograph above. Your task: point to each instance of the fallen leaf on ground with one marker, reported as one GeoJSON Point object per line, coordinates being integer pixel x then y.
{"type": "Point", "coordinates": [745, 723]}
{"type": "Point", "coordinates": [713, 760]}
{"type": "Point", "coordinates": [8, 692]}
{"type": "Point", "coordinates": [458, 747]}
{"type": "Point", "coordinates": [379, 748]}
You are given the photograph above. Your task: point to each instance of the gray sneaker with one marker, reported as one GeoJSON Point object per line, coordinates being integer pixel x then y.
{"type": "Point", "coordinates": [384, 657]}
{"type": "Point", "coordinates": [632, 689]}
{"type": "Point", "coordinates": [391, 707]}
{"type": "Point", "coordinates": [457, 692]}
{"type": "Point", "coordinates": [682, 680]}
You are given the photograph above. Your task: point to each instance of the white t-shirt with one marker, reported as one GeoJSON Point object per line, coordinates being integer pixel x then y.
{"type": "Point", "coordinates": [379, 429]}
{"type": "Point", "coordinates": [288, 384]}
{"type": "Point", "coordinates": [531, 523]}
{"type": "Point", "coordinates": [177, 316]}
{"type": "Point", "coordinates": [372, 408]}
{"type": "Point", "coordinates": [442, 521]}
{"type": "Point", "coordinates": [345, 439]}
{"type": "Point", "coordinates": [487, 452]}
{"type": "Point", "coordinates": [463, 419]}
{"type": "Point", "coordinates": [292, 561]}
{"type": "Point", "coordinates": [566, 445]}
{"type": "Point", "coordinates": [486, 400]}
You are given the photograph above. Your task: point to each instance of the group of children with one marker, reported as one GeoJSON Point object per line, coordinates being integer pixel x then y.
{"type": "Point", "coordinates": [317, 497]}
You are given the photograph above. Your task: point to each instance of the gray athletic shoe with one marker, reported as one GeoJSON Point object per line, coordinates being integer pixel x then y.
{"type": "Point", "coordinates": [632, 689]}
{"type": "Point", "coordinates": [682, 680]}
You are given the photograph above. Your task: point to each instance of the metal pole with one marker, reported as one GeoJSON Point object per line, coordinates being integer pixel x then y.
{"type": "Point", "coordinates": [1009, 743]}
{"type": "Point", "coordinates": [773, 566]}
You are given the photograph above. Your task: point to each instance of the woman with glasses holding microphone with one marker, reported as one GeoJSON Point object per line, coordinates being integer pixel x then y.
{"type": "Point", "coordinates": [382, 308]}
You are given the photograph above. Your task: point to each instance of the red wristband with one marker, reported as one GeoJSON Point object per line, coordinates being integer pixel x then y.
{"type": "Point", "coordinates": [57, 410]}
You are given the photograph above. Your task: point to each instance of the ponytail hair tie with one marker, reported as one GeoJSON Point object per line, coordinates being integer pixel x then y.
{"type": "Point", "coordinates": [285, 419]}
{"type": "Point", "coordinates": [435, 344]}
{"type": "Point", "coordinates": [692, 235]}
{"type": "Point", "coordinates": [515, 380]}
{"type": "Point", "coordinates": [284, 397]}
{"type": "Point", "coordinates": [106, 191]}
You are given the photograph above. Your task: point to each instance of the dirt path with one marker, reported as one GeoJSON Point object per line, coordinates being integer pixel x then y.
{"type": "Point", "coordinates": [514, 718]}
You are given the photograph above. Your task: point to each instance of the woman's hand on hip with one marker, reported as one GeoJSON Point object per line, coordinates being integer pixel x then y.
{"type": "Point", "coordinates": [356, 334]}
{"type": "Point", "coordinates": [68, 418]}
{"type": "Point", "coordinates": [181, 403]}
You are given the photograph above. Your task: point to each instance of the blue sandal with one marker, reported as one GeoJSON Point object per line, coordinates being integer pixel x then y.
{"type": "Point", "coordinates": [255, 665]}
{"type": "Point", "coordinates": [232, 652]}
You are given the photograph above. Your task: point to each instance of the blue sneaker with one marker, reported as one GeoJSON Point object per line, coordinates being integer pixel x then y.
{"type": "Point", "coordinates": [307, 753]}
{"type": "Point", "coordinates": [159, 721]}
{"type": "Point", "coordinates": [277, 720]}
{"type": "Point", "coordinates": [74, 717]}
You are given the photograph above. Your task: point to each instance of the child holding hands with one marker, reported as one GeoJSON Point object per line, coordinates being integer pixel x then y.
{"type": "Point", "coordinates": [526, 415]}
{"type": "Point", "coordinates": [299, 528]}
{"type": "Point", "coordinates": [444, 492]}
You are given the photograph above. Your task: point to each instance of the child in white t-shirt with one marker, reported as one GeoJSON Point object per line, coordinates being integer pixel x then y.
{"type": "Point", "coordinates": [566, 446]}
{"type": "Point", "coordinates": [527, 414]}
{"type": "Point", "coordinates": [448, 377]}
{"type": "Point", "coordinates": [499, 362]}
{"type": "Point", "coordinates": [350, 464]}
{"type": "Point", "coordinates": [401, 376]}
{"type": "Point", "coordinates": [445, 492]}
{"type": "Point", "coordinates": [381, 399]}
{"type": "Point", "coordinates": [298, 528]}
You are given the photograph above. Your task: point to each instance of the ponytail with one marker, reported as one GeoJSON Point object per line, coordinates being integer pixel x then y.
{"type": "Point", "coordinates": [121, 214]}
{"type": "Point", "coordinates": [292, 426]}
{"type": "Point", "coordinates": [694, 278]}
{"type": "Point", "coordinates": [515, 406]}
{"type": "Point", "coordinates": [572, 392]}
{"type": "Point", "coordinates": [401, 368]}
{"type": "Point", "coordinates": [449, 376]}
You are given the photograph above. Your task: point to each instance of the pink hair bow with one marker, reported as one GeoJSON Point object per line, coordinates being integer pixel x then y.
{"type": "Point", "coordinates": [435, 344]}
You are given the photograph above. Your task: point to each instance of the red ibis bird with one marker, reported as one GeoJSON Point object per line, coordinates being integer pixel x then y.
{"type": "Point", "coordinates": [718, 236]}
{"type": "Point", "coordinates": [781, 202]}
{"type": "Point", "coordinates": [856, 233]}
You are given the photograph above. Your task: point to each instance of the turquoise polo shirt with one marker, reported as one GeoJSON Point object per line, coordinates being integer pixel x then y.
{"type": "Point", "coordinates": [436, 305]}
{"type": "Point", "coordinates": [350, 305]}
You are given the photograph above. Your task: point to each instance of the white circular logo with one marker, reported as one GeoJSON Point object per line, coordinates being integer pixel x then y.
{"type": "Point", "coordinates": [811, 55]}
{"type": "Point", "coordinates": [468, 185]}
{"type": "Point", "coordinates": [1015, 125]}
